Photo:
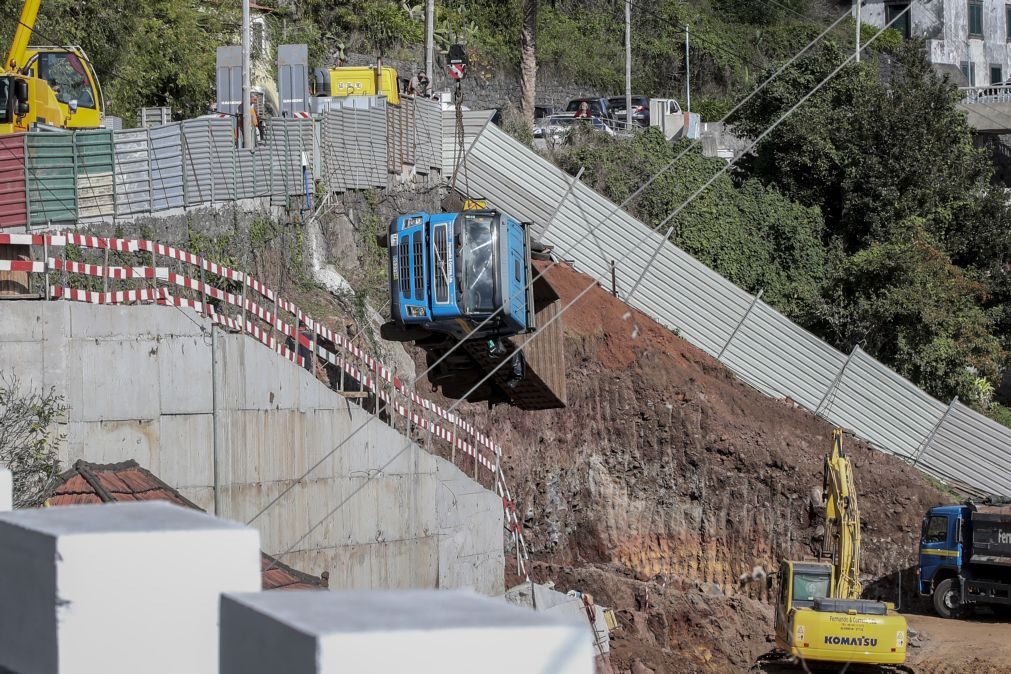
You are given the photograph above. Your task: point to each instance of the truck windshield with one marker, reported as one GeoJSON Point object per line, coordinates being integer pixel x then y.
{"type": "Point", "coordinates": [809, 586]}
{"type": "Point", "coordinates": [478, 264]}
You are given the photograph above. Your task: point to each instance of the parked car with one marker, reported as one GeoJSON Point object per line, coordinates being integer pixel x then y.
{"type": "Point", "coordinates": [598, 107]}
{"type": "Point", "coordinates": [640, 109]}
{"type": "Point", "coordinates": [555, 128]}
{"type": "Point", "coordinates": [542, 111]}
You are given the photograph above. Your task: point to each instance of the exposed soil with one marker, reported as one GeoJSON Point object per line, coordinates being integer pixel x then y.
{"type": "Point", "coordinates": [666, 473]}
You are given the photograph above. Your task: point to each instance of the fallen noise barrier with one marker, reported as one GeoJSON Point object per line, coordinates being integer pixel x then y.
{"type": "Point", "coordinates": [301, 339]}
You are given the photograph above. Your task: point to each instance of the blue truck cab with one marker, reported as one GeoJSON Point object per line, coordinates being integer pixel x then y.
{"type": "Point", "coordinates": [450, 271]}
{"type": "Point", "coordinates": [965, 557]}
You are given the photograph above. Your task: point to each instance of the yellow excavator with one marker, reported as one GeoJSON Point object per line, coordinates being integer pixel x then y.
{"type": "Point", "coordinates": [54, 86]}
{"type": "Point", "coordinates": [820, 616]}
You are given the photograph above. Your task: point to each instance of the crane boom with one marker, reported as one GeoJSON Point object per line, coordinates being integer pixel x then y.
{"type": "Point", "coordinates": [16, 55]}
{"type": "Point", "coordinates": [842, 521]}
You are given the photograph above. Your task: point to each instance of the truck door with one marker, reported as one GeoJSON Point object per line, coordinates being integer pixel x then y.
{"type": "Point", "coordinates": [412, 271]}
{"type": "Point", "coordinates": [515, 274]}
{"type": "Point", "coordinates": [939, 544]}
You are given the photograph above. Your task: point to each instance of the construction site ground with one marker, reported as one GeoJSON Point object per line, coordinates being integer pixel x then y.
{"type": "Point", "coordinates": [667, 489]}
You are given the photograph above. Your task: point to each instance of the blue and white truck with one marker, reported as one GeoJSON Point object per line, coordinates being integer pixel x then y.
{"type": "Point", "coordinates": [467, 277]}
{"type": "Point", "coordinates": [965, 556]}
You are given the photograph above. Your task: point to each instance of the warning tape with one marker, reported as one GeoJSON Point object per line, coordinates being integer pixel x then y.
{"type": "Point", "coordinates": [288, 330]}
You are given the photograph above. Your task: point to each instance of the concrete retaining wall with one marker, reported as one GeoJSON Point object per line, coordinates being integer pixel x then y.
{"type": "Point", "coordinates": [153, 384]}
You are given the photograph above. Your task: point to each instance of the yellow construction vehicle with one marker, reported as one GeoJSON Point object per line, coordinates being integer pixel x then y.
{"type": "Point", "coordinates": [359, 81]}
{"type": "Point", "coordinates": [55, 86]}
{"type": "Point", "coordinates": [820, 616]}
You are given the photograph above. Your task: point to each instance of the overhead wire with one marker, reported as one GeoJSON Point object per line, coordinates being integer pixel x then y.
{"type": "Point", "coordinates": [592, 285]}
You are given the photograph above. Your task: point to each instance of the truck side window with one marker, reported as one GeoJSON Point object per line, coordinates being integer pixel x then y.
{"type": "Point", "coordinates": [937, 529]}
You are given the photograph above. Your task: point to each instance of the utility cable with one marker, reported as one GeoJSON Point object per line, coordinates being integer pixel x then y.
{"type": "Point", "coordinates": [594, 284]}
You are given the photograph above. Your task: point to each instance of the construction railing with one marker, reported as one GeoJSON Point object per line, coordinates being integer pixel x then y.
{"type": "Point", "coordinates": [144, 271]}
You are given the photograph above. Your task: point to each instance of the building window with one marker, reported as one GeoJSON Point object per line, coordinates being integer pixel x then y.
{"type": "Point", "coordinates": [996, 74]}
{"type": "Point", "coordinates": [899, 13]}
{"type": "Point", "coordinates": [975, 18]}
{"type": "Point", "coordinates": [969, 70]}
{"type": "Point", "coordinates": [1007, 21]}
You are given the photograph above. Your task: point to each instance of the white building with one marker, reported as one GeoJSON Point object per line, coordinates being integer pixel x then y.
{"type": "Point", "coordinates": [970, 35]}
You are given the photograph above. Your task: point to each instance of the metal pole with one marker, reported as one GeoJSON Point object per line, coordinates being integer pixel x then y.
{"type": "Point", "coordinates": [628, 64]}
{"type": "Point", "coordinates": [215, 439]}
{"type": "Point", "coordinates": [247, 128]}
{"type": "Point", "coordinates": [688, 74]}
{"type": "Point", "coordinates": [858, 31]}
{"type": "Point", "coordinates": [429, 40]}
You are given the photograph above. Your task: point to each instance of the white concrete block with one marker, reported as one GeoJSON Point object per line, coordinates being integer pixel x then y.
{"type": "Point", "coordinates": [6, 490]}
{"type": "Point", "coordinates": [140, 580]}
{"type": "Point", "coordinates": [382, 632]}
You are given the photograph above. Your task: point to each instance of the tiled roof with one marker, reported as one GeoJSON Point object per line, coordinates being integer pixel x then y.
{"type": "Point", "coordinates": [127, 481]}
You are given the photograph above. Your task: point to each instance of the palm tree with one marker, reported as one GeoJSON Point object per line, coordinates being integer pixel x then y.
{"type": "Point", "coordinates": [528, 60]}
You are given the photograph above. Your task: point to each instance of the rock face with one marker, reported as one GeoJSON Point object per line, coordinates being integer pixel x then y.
{"type": "Point", "coordinates": [666, 474]}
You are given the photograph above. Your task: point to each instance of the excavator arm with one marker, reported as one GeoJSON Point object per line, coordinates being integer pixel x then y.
{"type": "Point", "coordinates": [842, 521]}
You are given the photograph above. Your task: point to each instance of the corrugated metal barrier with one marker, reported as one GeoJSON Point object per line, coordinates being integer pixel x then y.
{"type": "Point", "coordinates": [760, 345]}
{"type": "Point", "coordinates": [52, 190]}
{"type": "Point", "coordinates": [13, 188]}
{"type": "Point", "coordinates": [95, 190]}
{"type": "Point", "coordinates": [353, 148]}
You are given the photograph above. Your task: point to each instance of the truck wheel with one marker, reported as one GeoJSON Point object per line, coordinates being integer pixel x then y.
{"type": "Point", "coordinates": [948, 599]}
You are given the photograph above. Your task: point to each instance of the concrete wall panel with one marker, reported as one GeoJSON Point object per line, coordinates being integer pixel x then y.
{"type": "Point", "coordinates": [138, 381]}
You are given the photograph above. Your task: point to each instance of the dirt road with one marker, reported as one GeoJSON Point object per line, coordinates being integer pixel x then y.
{"type": "Point", "coordinates": [978, 646]}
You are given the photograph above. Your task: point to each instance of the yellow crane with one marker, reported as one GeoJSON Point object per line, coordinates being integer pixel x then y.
{"type": "Point", "coordinates": [53, 85]}
{"type": "Point", "coordinates": [820, 616]}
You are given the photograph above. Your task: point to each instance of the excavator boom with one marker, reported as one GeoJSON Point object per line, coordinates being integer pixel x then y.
{"type": "Point", "coordinates": [17, 53]}
{"type": "Point", "coordinates": [842, 521]}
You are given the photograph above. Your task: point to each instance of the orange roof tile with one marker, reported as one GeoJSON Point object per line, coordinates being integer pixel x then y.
{"type": "Point", "coordinates": [88, 483]}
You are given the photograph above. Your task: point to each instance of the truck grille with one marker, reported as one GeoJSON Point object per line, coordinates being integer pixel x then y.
{"type": "Point", "coordinates": [440, 274]}
{"type": "Point", "coordinates": [405, 267]}
{"type": "Point", "coordinates": [419, 269]}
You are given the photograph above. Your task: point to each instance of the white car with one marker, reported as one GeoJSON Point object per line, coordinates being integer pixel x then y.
{"type": "Point", "coordinates": [556, 127]}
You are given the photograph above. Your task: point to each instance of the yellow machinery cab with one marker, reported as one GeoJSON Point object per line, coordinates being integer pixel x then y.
{"type": "Point", "coordinates": [71, 77]}
{"type": "Point", "coordinates": [811, 626]}
{"type": "Point", "coordinates": [25, 101]}
{"type": "Point", "coordinates": [363, 81]}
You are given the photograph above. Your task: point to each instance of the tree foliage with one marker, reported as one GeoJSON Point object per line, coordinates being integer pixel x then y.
{"type": "Point", "coordinates": [753, 235]}
{"type": "Point", "coordinates": [28, 441]}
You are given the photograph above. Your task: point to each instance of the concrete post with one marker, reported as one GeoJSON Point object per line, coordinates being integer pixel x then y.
{"type": "Point", "coordinates": [306, 632]}
{"type": "Point", "coordinates": [6, 490]}
{"type": "Point", "coordinates": [60, 567]}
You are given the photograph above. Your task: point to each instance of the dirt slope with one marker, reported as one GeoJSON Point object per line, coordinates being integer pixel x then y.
{"type": "Point", "coordinates": [667, 474]}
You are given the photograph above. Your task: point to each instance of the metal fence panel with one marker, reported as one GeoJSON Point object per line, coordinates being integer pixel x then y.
{"type": "Point", "coordinates": [881, 406]}
{"type": "Point", "coordinates": [167, 189]}
{"type": "Point", "coordinates": [95, 189]}
{"type": "Point", "coordinates": [377, 142]}
{"type": "Point", "coordinates": [782, 359]}
{"type": "Point", "coordinates": [971, 449]}
{"type": "Point", "coordinates": [198, 157]}
{"type": "Point", "coordinates": [289, 140]}
{"type": "Point", "coordinates": [223, 158]}
{"type": "Point", "coordinates": [13, 185]}
{"type": "Point", "coordinates": [52, 194]}
{"type": "Point", "coordinates": [133, 172]}
{"type": "Point", "coordinates": [473, 122]}
{"type": "Point", "coordinates": [429, 134]}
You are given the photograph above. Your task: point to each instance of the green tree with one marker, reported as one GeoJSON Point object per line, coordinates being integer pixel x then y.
{"type": "Point", "coordinates": [904, 301]}
{"type": "Point", "coordinates": [752, 235]}
{"type": "Point", "coordinates": [28, 441]}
